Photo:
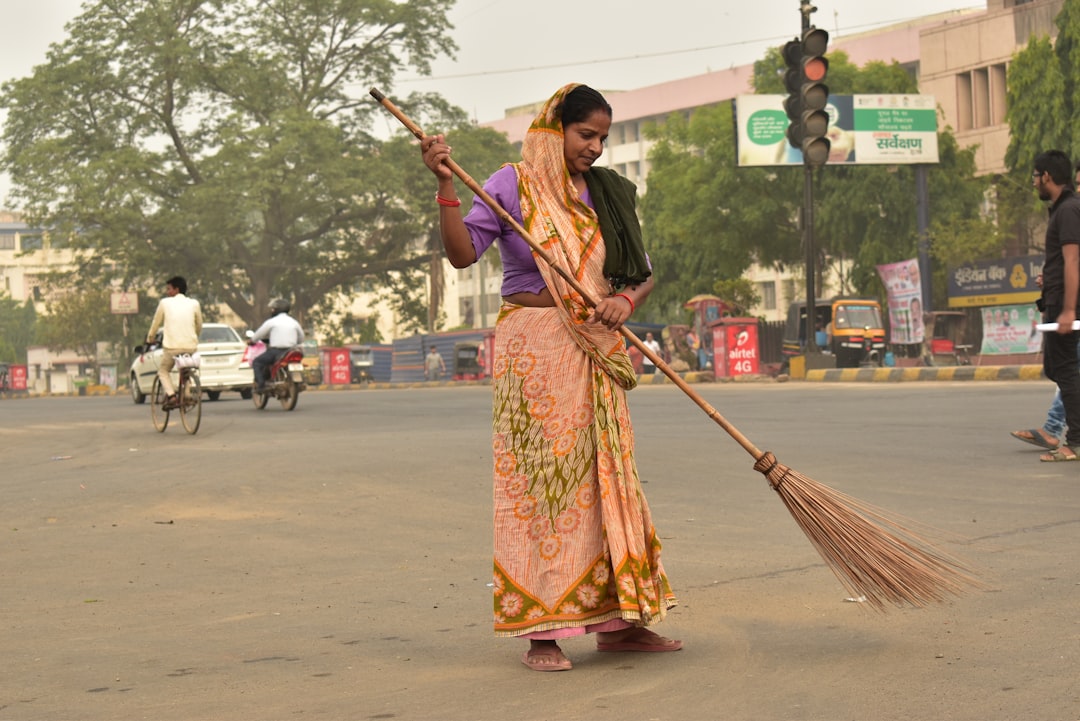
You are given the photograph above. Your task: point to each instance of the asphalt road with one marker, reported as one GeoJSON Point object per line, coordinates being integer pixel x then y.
{"type": "Point", "coordinates": [334, 562]}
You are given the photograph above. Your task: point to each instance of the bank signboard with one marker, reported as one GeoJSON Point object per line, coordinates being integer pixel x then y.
{"type": "Point", "coordinates": [995, 282]}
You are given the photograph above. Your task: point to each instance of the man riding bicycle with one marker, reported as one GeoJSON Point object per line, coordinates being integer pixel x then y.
{"type": "Point", "coordinates": [180, 318]}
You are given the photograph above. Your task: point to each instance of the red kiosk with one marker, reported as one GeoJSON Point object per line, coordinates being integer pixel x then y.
{"type": "Point", "coordinates": [736, 351]}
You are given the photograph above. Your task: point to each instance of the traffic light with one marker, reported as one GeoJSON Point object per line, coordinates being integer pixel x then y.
{"type": "Point", "coordinates": [793, 81]}
{"type": "Point", "coordinates": [814, 96]}
{"type": "Point", "coordinates": [807, 95]}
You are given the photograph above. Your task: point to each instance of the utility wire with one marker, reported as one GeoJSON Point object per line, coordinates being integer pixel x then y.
{"type": "Point", "coordinates": [625, 58]}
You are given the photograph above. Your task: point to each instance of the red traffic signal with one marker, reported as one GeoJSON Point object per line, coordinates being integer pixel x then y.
{"type": "Point", "coordinates": [814, 96]}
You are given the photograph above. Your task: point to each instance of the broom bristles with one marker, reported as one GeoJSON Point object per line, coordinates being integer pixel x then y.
{"type": "Point", "coordinates": [873, 556]}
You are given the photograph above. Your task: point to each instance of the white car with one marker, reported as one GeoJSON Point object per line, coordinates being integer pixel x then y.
{"type": "Point", "coordinates": [223, 366]}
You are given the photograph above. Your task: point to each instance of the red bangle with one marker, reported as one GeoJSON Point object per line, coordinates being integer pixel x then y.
{"type": "Point", "coordinates": [628, 300]}
{"type": "Point", "coordinates": [444, 202]}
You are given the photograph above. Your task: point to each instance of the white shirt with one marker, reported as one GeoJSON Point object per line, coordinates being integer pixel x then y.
{"type": "Point", "coordinates": [283, 331]}
{"type": "Point", "coordinates": [181, 319]}
{"type": "Point", "coordinates": [654, 346]}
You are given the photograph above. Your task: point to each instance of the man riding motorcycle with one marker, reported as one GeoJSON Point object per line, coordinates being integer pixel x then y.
{"type": "Point", "coordinates": [280, 332]}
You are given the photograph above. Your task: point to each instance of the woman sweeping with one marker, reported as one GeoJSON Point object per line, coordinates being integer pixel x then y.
{"type": "Point", "coordinates": [576, 551]}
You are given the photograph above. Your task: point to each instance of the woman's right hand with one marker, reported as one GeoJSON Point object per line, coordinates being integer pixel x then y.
{"type": "Point", "coordinates": [436, 152]}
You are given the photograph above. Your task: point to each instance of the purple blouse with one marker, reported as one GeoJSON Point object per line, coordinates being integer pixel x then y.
{"type": "Point", "coordinates": [520, 273]}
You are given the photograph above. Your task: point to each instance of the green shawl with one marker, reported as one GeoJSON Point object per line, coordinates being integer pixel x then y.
{"type": "Point", "coordinates": [615, 198]}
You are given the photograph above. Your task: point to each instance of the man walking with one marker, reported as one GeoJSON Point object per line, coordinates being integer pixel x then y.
{"type": "Point", "coordinates": [434, 364]}
{"type": "Point", "coordinates": [1060, 291]}
{"type": "Point", "coordinates": [647, 366]}
{"type": "Point", "coordinates": [180, 319]}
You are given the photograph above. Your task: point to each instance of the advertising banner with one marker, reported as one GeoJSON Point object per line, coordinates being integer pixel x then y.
{"type": "Point", "coordinates": [340, 367]}
{"type": "Point", "coordinates": [17, 378]}
{"type": "Point", "coordinates": [863, 130]}
{"type": "Point", "coordinates": [995, 282]}
{"type": "Point", "coordinates": [1010, 329]}
{"type": "Point", "coordinates": [904, 288]}
{"type": "Point", "coordinates": [735, 347]}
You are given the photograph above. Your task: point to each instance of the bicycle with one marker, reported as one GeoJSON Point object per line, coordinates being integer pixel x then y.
{"type": "Point", "coordinates": [188, 394]}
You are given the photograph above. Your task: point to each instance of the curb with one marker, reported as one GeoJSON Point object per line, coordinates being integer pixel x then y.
{"type": "Point", "coordinates": [837, 375]}
{"type": "Point", "coordinates": [949, 373]}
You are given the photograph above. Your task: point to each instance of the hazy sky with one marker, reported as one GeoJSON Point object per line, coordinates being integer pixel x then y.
{"type": "Point", "coordinates": [509, 56]}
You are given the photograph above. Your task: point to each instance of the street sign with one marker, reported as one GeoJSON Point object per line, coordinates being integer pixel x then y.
{"type": "Point", "coordinates": [124, 303]}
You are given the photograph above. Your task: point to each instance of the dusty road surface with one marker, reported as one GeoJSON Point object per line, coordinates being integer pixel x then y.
{"type": "Point", "coordinates": [334, 562]}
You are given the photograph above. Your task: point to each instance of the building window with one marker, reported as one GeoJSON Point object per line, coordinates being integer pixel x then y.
{"type": "Point", "coordinates": [7, 241]}
{"type": "Point", "coordinates": [767, 290]}
{"type": "Point", "coordinates": [789, 290]}
{"type": "Point", "coordinates": [465, 310]}
{"type": "Point", "coordinates": [980, 97]}
{"type": "Point", "coordinates": [31, 242]}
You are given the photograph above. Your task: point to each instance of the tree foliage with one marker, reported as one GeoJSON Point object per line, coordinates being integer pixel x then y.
{"type": "Point", "coordinates": [1042, 113]}
{"type": "Point", "coordinates": [79, 321]}
{"type": "Point", "coordinates": [227, 141]}
{"type": "Point", "coordinates": [17, 329]}
{"type": "Point", "coordinates": [707, 220]}
{"type": "Point", "coordinates": [1038, 111]}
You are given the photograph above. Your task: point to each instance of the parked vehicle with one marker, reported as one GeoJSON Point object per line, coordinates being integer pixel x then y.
{"type": "Point", "coordinates": [223, 368]}
{"type": "Point", "coordinates": [851, 329]}
{"type": "Point", "coordinates": [286, 380]}
{"type": "Point", "coordinates": [362, 360]}
{"type": "Point", "coordinates": [945, 338]}
{"type": "Point", "coordinates": [467, 361]}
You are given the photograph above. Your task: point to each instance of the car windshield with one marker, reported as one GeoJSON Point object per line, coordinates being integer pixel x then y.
{"type": "Point", "coordinates": [218, 334]}
{"type": "Point", "coordinates": [857, 316]}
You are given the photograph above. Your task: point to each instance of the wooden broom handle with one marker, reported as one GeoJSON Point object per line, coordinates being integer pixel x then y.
{"type": "Point", "coordinates": [539, 250]}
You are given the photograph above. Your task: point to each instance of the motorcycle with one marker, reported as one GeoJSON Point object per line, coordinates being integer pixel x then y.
{"type": "Point", "coordinates": [286, 379]}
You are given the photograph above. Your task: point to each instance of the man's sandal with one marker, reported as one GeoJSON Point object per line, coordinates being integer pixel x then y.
{"type": "Point", "coordinates": [1058, 455]}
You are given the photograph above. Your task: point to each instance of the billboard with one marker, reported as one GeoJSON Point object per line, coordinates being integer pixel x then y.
{"type": "Point", "coordinates": [996, 282]}
{"type": "Point", "coordinates": [863, 130]}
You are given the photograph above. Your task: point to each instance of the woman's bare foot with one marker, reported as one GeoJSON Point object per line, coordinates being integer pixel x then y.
{"type": "Point", "coordinates": [546, 656]}
{"type": "Point", "coordinates": [635, 639]}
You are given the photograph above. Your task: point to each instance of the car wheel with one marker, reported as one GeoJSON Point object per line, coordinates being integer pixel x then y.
{"type": "Point", "coordinates": [246, 394]}
{"type": "Point", "coordinates": [213, 395]}
{"type": "Point", "coordinates": [136, 395]}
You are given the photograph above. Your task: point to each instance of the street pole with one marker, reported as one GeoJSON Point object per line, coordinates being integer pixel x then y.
{"type": "Point", "coordinates": [808, 248]}
{"type": "Point", "coordinates": [805, 8]}
{"type": "Point", "coordinates": [922, 215]}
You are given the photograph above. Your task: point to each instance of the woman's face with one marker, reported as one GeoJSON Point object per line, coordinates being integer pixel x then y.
{"type": "Point", "coordinates": [583, 143]}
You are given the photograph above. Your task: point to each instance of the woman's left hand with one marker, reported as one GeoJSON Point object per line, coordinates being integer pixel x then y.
{"type": "Point", "coordinates": [612, 311]}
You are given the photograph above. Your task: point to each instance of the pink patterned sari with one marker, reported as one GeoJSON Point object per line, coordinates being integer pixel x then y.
{"type": "Point", "coordinates": [575, 545]}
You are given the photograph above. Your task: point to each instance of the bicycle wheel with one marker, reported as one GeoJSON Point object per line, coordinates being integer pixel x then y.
{"type": "Point", "coordinates": [190, 401]}
{"type": "Point", "coordinates": [158, 413]}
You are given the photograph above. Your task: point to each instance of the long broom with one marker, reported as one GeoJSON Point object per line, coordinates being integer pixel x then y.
{"type": "Point", "coordinates": [874, 557]}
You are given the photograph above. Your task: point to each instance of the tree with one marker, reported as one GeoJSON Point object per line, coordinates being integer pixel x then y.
{"type": "Point", "coordinates": [480, 152]}
{"type": "Point", "coordinates": [224, 140]}
{"type": "Point", "coordinates": [78, 321]}
{"type": "Point", "coordinates": [739, 294]}
{"type": "Point", "coordinates": [1038, 112]}
{"type": "Point", "coordinates": [708, 220]}
{"type": "Point", "coordinates": [704, 219]}
{"type": "Point", "coordinates": [17, 328]}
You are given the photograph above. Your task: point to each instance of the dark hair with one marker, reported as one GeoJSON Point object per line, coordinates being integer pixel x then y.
{"type": "Point", "coordinates": [1057, 165]}
{"type": "Point", "coordinates": [580, 103]}
{"type": "Point", "coordinates": [178, 282]}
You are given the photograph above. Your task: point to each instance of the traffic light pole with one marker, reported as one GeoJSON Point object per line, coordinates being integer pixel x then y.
{"type": "Point", "coordinates": [808, 247]}
{"type": "Point", "coordinates": [805, 8]}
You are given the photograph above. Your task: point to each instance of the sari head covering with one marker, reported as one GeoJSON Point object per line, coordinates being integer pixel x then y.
{"type": "Point", "coordinates": [613, 196]}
